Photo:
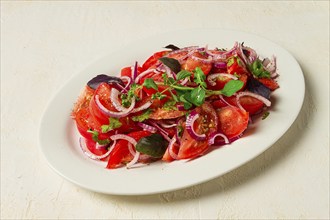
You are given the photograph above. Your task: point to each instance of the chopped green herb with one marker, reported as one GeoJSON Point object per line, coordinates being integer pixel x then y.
{"type": "Point", "coordinates": [258, 69]}
{"type": "Point", "coordinates": [199, 77]}
{"type": "Point", "coordinates": [183, 74]}
{"type": "Point", "coordinates": [144, 116]}
{"type": "Point", "coordinates": [95, 137]}
{"type": "Point", "coordinates": [265, 115]}
{"type": "Point", "coordinates": [113, 124]}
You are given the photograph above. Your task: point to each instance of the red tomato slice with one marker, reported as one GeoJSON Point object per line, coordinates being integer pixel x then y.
{"type": "Point", "coordinates": [250, 104]}
{"type": "Point", "coordinates": [83, 100]}
{"type": "Point", "coordinates": [91, 145]}
{"type": "Point", "coordinates": [192, 63]}
{"type": "Point", "coordinates": [207, 123]}
{"type": "Point", "coordinates": [151, 61]}
{"type": "Point", "coordinates": [270, 83]}
{"type": "Point", "coordinates": [121, 154]}
{"type": "Point", "coordinates": [236, 66]}
{"type": "Point", "coordinates": [126, 71]}
{"type": "Point", "coordinates": [232, 121]}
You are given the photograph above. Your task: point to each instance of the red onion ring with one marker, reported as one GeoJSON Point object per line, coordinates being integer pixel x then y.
{"type": "Point", "coordinates": [134, 160]}
{"type": "Point", "coordinates": [129, 82]}
{"type": "Point", "coordinates": [115, 101]}
{"type": "Point", "coordinates": [212, 138]}
{"type": "Point", "coordinates": [137, 79]}
{"type": "Point", "coordinates": [222, 99]}
{"type": "Point", "coordinates": [84, 148]}
{"type": "Point", "coordinates": [124, 137]}
{"type": "Point", "coordinates": [112, 113]}
{"type": "Point", "coordinates": [142, 107]}
{"type": "Point", "coordinates": [202, 60]}
{"type": "Point", "coordinates": [211, 77]}
{"type": "Point", "coordinates": [190, 126]}
{"type": "Point", "coordinates": [170, 148]}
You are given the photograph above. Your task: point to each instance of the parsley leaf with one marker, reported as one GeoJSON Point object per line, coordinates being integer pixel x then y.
{"type": "Point", "coordinates": [258, 69]}
{"type": "Point", "coordinates": [126, 98]}
{"type": "Point", "coordinates": [144, 116]}
{"type": "Point", "coordinates": [95, 137]}
{"type": "Point", "coordinates": [113, 124]}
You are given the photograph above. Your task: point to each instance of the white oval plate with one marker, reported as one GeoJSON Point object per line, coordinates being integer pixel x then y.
{"type": "Point", "coordinates": [59, 138]}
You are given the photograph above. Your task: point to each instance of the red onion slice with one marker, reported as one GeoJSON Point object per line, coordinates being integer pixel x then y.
{"type": "Point", "coordinates": [147, 127]}
{"type": "Point", "coordinates": [142, 107]}
{"type": "Point", "coordinates": [190, 126]}
{"type": "Point", "coordinates": [115, 101]}
{"type": "Point", "coordinates": [134, 160]}
{"type": "Point", "coordinates": [170, 148]}
{"type": "Point", "coordinates": [137, 79]}
{"type": "Point", "coordinates": [212, 138]}
{"type": "Point", "coordinates": [211, 78]}
{"type": "Point", "coordinates": [84, 148]}
{"type": "Point", "coordinates": [254, 95]}
{"type": "Point", "coordinates": [112, 113]}
{"type": "Point", "coordinates": [202, 60]}
{"type": "Point", "coordinates": [124, 137]}
{"type": "Point", "coordinates": [222, 99]}
{"type": "Point", "coordinates": [129, 82]}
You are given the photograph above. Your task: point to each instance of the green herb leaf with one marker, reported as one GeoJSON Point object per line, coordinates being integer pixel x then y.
{"type": "Point", "coordinates": [143, 116]}
{"type": "Point", "coordinates": [126, 98]}
{"type": "Point", "coordinates": [258, 69]}
{"type": "Point", "coordinates": [150, 83]}
{"type": "Point", "coordinates": [95, 137]}
{"type": "Point", "coordinates": [158, 95]}
{"type": "Point", "coordinates": [231, 87]}
{"type": "Point", "coordinates": [265, 115]}
{"type": "Point", "coordinates": [113, 124]}
{"type": "Point", "coordinates": [183, 74]}
{"type": "Point", "coordinates": [173, 64]}
{"type": "Point", "coordinates": [199, 77]}
{"type": "Point", "coordinates": [170, 105]}
{"type": "Point", "coordinates": [154, 145]}
{"type": "Point", "coordinates": [197, 96]}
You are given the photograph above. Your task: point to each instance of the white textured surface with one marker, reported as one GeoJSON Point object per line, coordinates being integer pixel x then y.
{"type": "Point", "coordinates": [45, 43]}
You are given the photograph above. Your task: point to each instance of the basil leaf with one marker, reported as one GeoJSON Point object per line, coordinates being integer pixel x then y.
{"type": "Point", "coordinates": [231, 87]}
{"type": "Point", "coordinates": [173, 64]}
{"type": "Point", "coordinates": [154, 145]}
{"type": "Point", "coordinates": [97, 80]}
{"type": "Point", "coordinates": [172, 47]}
{"type": "Point", "coordinates": [257, 87]}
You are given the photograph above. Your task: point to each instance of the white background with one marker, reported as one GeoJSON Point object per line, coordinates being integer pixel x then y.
{"type": "Point", "coordinates": [45, 43]}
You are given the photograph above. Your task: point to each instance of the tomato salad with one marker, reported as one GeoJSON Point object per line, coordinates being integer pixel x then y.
{"type": "Point", "coordinates": [179, 104]}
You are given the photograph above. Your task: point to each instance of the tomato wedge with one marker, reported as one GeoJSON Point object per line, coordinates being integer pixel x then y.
{"type": "Point", "coordinates": [207, 123]}
{"type": "Point", "coordinates": [152, 60]}
{"type": "Point", "coordinates": [270, 83]}
{"type": "Point", "coordinates": [198, 60]}
{"type": "Point", "coordinates": [232, 121]}
{"type": "Point", "coordinates": [120, 154]}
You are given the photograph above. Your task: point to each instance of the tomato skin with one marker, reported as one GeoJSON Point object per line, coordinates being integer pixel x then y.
{"type": "Point", "coordinates": [232, 121]}
{"type": "Point", "coordinates": [270, 83]}
{"type": "Point", "coordinates": [191, 148]}
{"type": "Point", "coordinates": [152, 60]}
{"type": "Point", "coordinates": [120, 153]}
{"type": "Point", "coordinates": [92, 147]}
{"type": "Point", "coordinates": [236, 66]}
{"type": "Point", "coordinates": [250, 104]}
{"type": "Point", "coordinates": [191, 63]}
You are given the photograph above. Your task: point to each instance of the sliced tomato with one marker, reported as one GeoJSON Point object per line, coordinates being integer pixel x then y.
{"type": "Point", "coordinates": [120, 154]}
{"type": "Point", "coordinates": [236, 66]}
{"type": "Point", "coordinates": [152, 60]}
{"type": "Point", "coordinates": [104, 92]}
{"type": "Point", "coordinates": [162, 113]}
{"type": "Point", "coordinates": [250, 104]}
{"type": "Point", "coordinates": [167, 156]}
{"type": "Point", "coordinates": [198, 60]}
{"type": "Point", "coordinates": [270, 83]}
{"type": "Point", "coordinates": [207, 123]}
{"type": "Point", "coordinates": [126, 71]}
{"type": "Point", "coordinates": [92, 147]}
{"type": "Point", "coordinates": [232, 120]}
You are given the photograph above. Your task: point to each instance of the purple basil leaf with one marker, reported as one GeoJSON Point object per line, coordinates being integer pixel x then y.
{"type": "Point", "coordinates": [257, 87]}
{"type": "Point", "coordinates": [172, 47]}
{"type": "Point", "coordinates": [97, 80]}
